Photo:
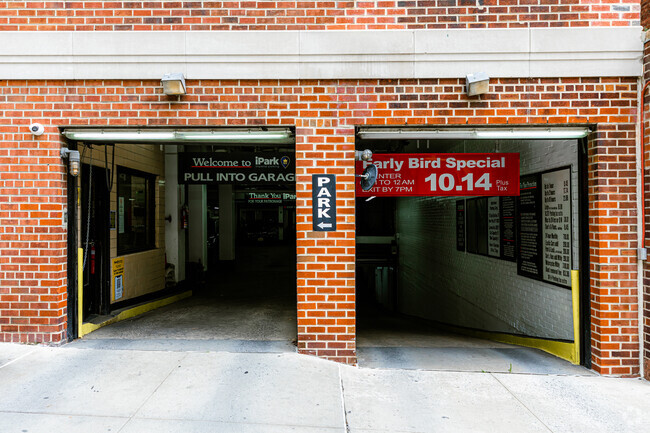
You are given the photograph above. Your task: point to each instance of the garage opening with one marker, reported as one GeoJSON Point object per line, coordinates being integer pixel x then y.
{"type": "Point", "coordinates": [452, 270]}
{"type": "Point", "coordinates": [205, 226]}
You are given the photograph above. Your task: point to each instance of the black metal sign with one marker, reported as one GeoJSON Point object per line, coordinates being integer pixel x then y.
{"type": "Point", "coordinates": [508, 229]}
{"type": "Point", "coordinates": [256, 168]}
{"type": "Point", "coordinates": [460, 225]}
{"type": "Point", "coordinates": [529, 259]}
{"type": "Point", "coordinates": [323, 187]}
{"type": "Point", "coordinates": [545, 245]}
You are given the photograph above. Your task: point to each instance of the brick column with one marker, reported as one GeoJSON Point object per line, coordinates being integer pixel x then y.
{"type": "Point", "coordinates": [612, 242]}
{"type": "Point", "coordinates": [326, 260]}
{"type": "Point", "coordinates": [32, 233]}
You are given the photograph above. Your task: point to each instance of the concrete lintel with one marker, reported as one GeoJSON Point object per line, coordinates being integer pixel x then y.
{"type": "Point", "coordinates": [588, 52]}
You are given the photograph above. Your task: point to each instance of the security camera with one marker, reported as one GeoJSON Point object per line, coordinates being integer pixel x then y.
{"type": "Point", "coordinates": [36, 129]}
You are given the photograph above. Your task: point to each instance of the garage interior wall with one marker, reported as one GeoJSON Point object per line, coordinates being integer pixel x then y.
{"type": "Point", "coordinates": [144, 272]}
{"type": "Point", "coordinates": [439, 283]}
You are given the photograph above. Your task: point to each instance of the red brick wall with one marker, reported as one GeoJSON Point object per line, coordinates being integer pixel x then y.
{"type": "Point", "coordinates": [311, 15]}
{"type": "Point", "coordinates": [324, 113]}
{"type": "Point", "coordinates": [33, 243]}
{"type": "Point", "coordinates": [326, 260]}
{"type": "Point", "coordinates": [612, 236]}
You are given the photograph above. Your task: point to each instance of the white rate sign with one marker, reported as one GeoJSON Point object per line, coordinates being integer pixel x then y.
{"type": "Point", "coordinates": [556, 219]}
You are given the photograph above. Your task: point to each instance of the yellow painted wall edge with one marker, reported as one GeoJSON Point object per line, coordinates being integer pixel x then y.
{"type": "Point", "coordinates": [87, 328]}
{"type": "Point", "coordinates": [80, 291]}
{"type": "Point", "coordinates": [575, 291]}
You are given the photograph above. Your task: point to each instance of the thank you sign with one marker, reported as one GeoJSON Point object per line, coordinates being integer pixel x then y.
{"type": "Point", "coordinates": [323, 187]}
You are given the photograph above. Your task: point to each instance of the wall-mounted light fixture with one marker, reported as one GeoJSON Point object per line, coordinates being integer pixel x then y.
{"type": "Point", "coordinates": [111, 136]}
{"type": "Point", "coordinates": [533, 133]}
{"type": "Point", "coordinates": [187, 136]}
{"type": "Point", "coordinates": [173, 84]}
{"type": "Point", "coordinates": [472, 134]}
{"type": "Point", "coordinates": [477, 84]}
{"type": "Point", "coordinates": [73, 158]}
{"type": "Point", "coordinates": [235, 136]}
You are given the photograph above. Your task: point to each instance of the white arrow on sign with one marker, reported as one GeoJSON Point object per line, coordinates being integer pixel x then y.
{"type": "Point", "coordinates": [325, 225]}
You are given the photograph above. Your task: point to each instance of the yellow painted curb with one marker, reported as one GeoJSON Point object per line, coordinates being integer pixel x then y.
{"type": "Point", "coordinates": [561, 349]}
{"type": "Point", "coordinates": [87, 328]}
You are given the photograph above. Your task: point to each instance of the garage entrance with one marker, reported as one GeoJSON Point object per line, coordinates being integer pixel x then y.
{"type": "Point", "coordinates": [210, 226]}
{"type": "Point", "coordinates": [444, 280]}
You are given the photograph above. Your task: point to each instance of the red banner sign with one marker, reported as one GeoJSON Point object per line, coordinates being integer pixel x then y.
{"type": "Point", "coordinates": [443, 174]}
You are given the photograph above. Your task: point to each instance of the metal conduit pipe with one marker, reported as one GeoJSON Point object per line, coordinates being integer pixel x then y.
{"type": "Point", "coordinates": [642, 150]}
{"type": "Point", "coordinates": [641, 255]}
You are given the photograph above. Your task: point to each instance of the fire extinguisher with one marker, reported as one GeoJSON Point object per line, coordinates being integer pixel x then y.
{"type": "Point", "coordinates": [92, 259]}
{"type": "Point", "coordinates": [184, 217]}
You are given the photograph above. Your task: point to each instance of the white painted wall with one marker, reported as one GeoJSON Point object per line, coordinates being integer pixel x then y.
{"type": "Point", "coordinates": [438, 282]}
{"type": "Point", "coordinates": [174, 236]}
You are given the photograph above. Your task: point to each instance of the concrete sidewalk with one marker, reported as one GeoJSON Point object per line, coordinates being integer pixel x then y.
{"type": "Point", "coordinates": [72, 389]}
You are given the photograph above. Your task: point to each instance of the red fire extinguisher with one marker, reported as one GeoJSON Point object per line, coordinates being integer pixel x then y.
{"type": "Point", "coordinates": [92, 259]}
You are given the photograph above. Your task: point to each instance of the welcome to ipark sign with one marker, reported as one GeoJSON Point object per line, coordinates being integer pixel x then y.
{"type": "Point", "coordinates": [249, 168]}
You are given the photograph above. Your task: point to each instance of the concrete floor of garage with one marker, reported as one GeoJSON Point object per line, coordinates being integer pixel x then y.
{"type": "Point", "coordinates": [247, 305]}
{"type": "Point", "coordinates": [393, 341]}
{"type": "Point", "coordinates": [250, 306]}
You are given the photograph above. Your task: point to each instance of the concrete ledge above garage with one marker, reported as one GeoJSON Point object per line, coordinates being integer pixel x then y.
{"type": "Point", "coordinates": [532, 52]}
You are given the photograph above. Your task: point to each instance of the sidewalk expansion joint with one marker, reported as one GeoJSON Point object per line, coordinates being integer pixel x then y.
{"type": "Point", "coordinates": [345, 412]}
{"type": "Point", "coordinates": [17, 359]}
{"type": "Point", "coordinates": [521, 402]}
{"type": "Point", "coordinates": [154, 391]}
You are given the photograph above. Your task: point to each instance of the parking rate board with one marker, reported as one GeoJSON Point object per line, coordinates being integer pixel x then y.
{"type": "Point", "coordinates": [443, 174]}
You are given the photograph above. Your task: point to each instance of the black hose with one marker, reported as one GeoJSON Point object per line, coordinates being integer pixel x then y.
{"type": "Point", "coordinates": [109, 186]}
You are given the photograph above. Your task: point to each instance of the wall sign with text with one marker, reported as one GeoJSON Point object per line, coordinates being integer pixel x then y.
{"type": "Point", "coordinates": [323, 190]}
{"type": "Point", "coordinates": [443, 174]}
{"type": "Point", "coordinates": [254, 168]}
{"type": "Point", "coordinates": [545, 227]}
{"type": "Point", "coordinates": [486, 226]}
{"type": "Point", "coordinates": [118, 278]}
{"type": "Point", "coordinates": [269, 197]}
